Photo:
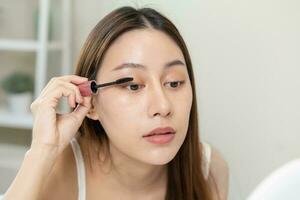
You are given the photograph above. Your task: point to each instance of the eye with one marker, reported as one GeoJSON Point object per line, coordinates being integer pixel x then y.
{"type": "Point", "coordinates": [175, 84]}
{"type": "Point", "coordinates": [132, 86]}
{"type": "Point", "coordinates": [135, 87]}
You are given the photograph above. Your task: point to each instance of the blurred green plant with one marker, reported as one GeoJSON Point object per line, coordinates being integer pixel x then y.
{"type": "Point", "coordinates": [17, 82]}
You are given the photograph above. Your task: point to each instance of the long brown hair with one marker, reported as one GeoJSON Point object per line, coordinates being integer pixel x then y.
{"type": "Point", "coordinates": [185, 176]}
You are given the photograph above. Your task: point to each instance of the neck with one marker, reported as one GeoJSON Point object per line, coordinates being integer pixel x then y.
{"type": "Point", "coordinates": [134, 175]}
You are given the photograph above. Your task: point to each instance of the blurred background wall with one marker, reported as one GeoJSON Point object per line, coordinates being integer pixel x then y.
{"type": "Point", "coordinates": [247, 64]}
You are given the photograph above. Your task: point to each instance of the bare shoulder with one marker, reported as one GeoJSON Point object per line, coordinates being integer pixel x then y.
{"type": "Point", "coordinates": [61, 182]}
{"type": "Point", "coordinates": [219, 174]}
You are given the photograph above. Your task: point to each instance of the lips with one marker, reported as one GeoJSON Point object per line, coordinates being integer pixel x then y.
{"type": "Point", "coordinates": [160, 131]}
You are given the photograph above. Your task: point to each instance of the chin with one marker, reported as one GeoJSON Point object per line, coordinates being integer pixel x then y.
{"type": "Point", "coordinates": [159, 158]}
{"type": "Point", "coordinates": [160, 162]}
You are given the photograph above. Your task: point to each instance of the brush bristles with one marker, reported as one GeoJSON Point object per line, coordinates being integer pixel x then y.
{"type": "Point", "coordinates": [124, 80]}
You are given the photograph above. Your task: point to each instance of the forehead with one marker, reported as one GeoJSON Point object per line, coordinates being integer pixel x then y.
{"type": "Point", "coordinates": [148, 47]}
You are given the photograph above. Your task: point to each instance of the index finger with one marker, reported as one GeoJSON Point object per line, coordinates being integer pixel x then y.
{"type": "Point", "coordinates": [74, 78]}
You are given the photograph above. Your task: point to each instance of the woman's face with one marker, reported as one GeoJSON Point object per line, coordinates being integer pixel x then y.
{"type": "Point", "coordinates": [129, 111]}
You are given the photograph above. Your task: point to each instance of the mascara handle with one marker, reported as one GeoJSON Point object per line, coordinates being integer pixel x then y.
{"type": "Point", "coordinates": [87, 88]}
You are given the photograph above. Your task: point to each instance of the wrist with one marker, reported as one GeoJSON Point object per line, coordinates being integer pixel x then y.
{"type": "Point", "coordinates": [46, 151]}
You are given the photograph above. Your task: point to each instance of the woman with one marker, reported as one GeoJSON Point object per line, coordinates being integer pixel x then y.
{"type": "Point", "coordinates": [102, 150]}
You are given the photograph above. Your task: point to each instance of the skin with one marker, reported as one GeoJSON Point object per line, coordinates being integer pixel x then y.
{"type": "Point", "coordinates": [127, 113]}
{"type": "Point", "coordinates": [137, 168]}
{"type": "Point", "coordinates": [219, 170]}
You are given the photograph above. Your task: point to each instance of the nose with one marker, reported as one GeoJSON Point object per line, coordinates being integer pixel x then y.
{"type": "Point", "coordinates": [159, 102]}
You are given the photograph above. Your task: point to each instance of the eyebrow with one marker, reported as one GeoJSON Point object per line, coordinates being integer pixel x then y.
{"type": "Point", "coordinates": [143, 67]}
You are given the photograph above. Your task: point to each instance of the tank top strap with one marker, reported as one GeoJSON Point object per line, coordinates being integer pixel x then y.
{"type": "Point", "coordinates": [80, 169]}
{"type": "Point", "coordinates": [206, 159]}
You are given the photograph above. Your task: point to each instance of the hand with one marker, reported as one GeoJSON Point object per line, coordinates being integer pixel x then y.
{"type": "Point", "coordinates": [54, 130]}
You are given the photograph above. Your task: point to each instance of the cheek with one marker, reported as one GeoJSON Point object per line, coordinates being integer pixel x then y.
{"type": "Point", "coordinates": [116, 105]}
{"type": "Point", "coordinates": [184, 100]}
{"type": "Point", "coordinates": [183, 108]}
{"type": "Point", "coordinates": [117, 112]}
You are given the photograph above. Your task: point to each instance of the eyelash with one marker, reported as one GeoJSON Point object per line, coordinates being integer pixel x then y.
{"type": "Point", "coordinates": [180, 83]}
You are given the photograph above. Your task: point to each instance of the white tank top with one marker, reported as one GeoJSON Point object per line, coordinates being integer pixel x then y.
{"type": "Point", "coordinates": [81, 168]}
